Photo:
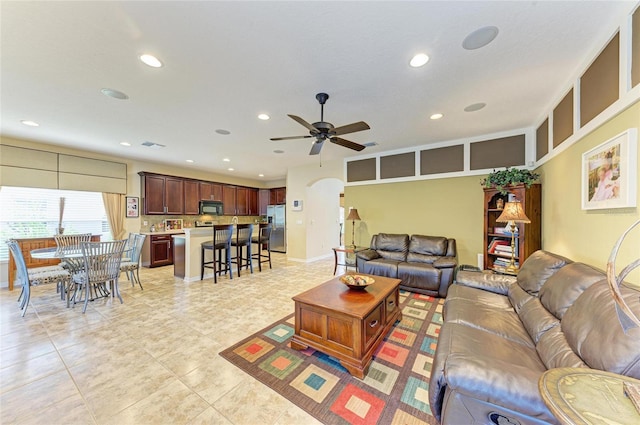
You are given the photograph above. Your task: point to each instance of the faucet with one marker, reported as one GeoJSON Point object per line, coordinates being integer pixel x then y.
{"type": "Point", "coordinates": [234, 220]}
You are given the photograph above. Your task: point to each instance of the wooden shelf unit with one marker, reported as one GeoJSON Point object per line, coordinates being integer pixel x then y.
{"type": "Point", "coordinates": [528, 235]}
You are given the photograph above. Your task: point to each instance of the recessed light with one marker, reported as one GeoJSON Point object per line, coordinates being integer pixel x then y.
{"type": "Point", "coordinates": [230, 169]}
{"type": "Point", "coordinates": [263, 117]}
{"type": "Point", "coordinates": [125, 143]}
{"type": "Point", "coordinates": [475, 107]}
{"type": "Point", "coordinates": [260, 175]}
{"type": "Point", "coordinates": [278, 151]}
{"type": "Point", "coordinates": [419, 60]}
{"type": "Point", "coordinates": [480, 38]}
{"type": "Point", "coordinates": [190, 161]}
{"type": "Point", "coordinates": [151, 60]}
{"type": "Point", "coordinates": [223, 132]}
{"type": "Point", "coordinates": [436, 116]}
{"type": "Point", "coordinates": [226, 159]}
{"type": "Point", "coordinates": [30, 123]}
{"type": "Point", "coordinates": [114, 94]}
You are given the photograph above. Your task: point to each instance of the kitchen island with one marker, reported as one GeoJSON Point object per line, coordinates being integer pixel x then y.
{"type": "Point", "coordinates": [187, 251]}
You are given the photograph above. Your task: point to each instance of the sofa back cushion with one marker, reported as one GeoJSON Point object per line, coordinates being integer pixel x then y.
{"type": "Point", "coordinates": [426, 249]}
{"type": "Point", "coordinates": [594, 333]}
{"type": "Point", "coordinates": [565, 286]}
{"type": "Point", "coordinates": [537, 268]}
{"type": "Point", "coordinates": [554, 350]}
{"type": "Point", "coordinates": [391, 246]}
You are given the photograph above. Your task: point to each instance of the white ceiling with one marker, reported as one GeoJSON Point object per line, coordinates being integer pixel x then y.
{"type": "Point", "coordinates": [226, 62]}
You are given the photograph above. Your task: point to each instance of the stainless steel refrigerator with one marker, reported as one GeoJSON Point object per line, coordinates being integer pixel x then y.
{"type": "Point", "coordinates": [276, 216]}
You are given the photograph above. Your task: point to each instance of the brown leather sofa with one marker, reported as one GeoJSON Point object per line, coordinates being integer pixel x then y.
{"type": "Point", "coordinates": [501, 333]}
{"type": "Point", "coordinates": [425, 264]}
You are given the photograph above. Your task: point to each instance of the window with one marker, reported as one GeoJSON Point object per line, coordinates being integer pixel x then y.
{"type": "Point", "coordinates": [33, 213]}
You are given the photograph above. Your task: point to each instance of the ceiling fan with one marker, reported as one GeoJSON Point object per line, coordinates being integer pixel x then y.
{"type": "Point", "coordinates": [322, 130]}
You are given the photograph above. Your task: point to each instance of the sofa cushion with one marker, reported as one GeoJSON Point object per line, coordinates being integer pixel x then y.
{"type": "Point", "coordinates": [536, 319]}
{"type": "Point", "coordinates": [479, 296]}
{"type": "Point", "coordinates": [419, 275]}
{"type": "Point", "coordinates": [426, 249]}
{"type": "Point", "coordinates": [537, 268]}
{"type": "Point", "coordinates": [554, 350]}
{"type": "Point", "coordinates": [381, 267]}
{"type": "Point", "coordinates": [594, 333]}
{"type": "Point", "coordinates": [391, 246]}
{"type": "Point", "coordinates": [487, 367]}
{"type": "Point", "coordinates": [518, 297]}
{"type": "Point", "coordinates": [564, 287]}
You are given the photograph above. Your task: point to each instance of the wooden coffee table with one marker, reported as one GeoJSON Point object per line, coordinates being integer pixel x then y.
{"type": "Point", "coordinates": [345, 323]}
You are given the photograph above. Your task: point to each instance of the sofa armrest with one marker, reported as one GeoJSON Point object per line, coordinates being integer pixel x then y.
{"type": "Point", "coordinates": [367, 254]}
{"type": "Point", "coordinates": [498, 283]}
{"type": "Point", "coordinates": [445, 262]}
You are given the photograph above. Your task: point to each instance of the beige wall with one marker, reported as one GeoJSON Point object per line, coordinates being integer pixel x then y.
{"type": "Point", "coordinates": [301, 244]}
{"type": "Point", "coordinates": [453, 207]}
{"type": "Point", "coordinates": [581, 235]}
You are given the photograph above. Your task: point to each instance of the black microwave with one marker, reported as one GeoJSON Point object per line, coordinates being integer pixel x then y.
{"type": "Point", "coordinates": [211, 208]}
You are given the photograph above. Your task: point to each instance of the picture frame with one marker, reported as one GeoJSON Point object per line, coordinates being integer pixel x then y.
{"type": "Point", "coordinates": [132, 207]}
{"type": "Point", "coordinates": [609, 173]}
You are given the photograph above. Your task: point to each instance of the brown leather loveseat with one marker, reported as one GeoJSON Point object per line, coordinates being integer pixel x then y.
{"type": "Point", "coordinates": [501, 333]}
{"type": "Point", "coordinates": [425, 264]}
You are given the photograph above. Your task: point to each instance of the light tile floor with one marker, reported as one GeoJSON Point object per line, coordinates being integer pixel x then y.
{"type": "Point", "coordinates": [153, 359]}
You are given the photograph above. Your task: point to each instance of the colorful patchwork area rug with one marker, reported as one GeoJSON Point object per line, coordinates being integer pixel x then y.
{"type": "Point", "coordinates": [394, 390]}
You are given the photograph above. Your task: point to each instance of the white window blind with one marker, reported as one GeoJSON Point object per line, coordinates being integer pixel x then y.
{"type": "Point", "coordinates": [32, 213]}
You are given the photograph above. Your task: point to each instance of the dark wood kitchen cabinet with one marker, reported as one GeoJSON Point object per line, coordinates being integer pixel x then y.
{"type": "Point", "coordinates": [192, 197]}
{"type": "Point", "coordinates": [278, 196]}
{"type": "Point", "coordinates": [252, 201]}
{"type": "Point", "coordinates": [210, 191]}
{"type": "Point", "coordinates": [229, 199]}
{"type": "Point", "coordinates": [162, 194]}
{"type": "Point", "coordinates": [242, 201]}
{"type": "Point", "coordinates": [264, 197]}
{"type": "Point", "coordinates": [157, 251]}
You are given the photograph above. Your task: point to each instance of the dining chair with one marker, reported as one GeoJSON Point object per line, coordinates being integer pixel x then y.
{"type": "Point", "coordinates": [131, 267]}
{"type": "Point", "coordinates": [242, 242]}
{"type": "Point", "coordinates": [67, 242]}
{"type": "Point", "coordinates": [34, 276]}
{"type": "Point", "coordinates": [263, 240]}
{"type": "Point", "coordinates": [221, 242]}
{"type": "Point", "coordinates": [101, 267]}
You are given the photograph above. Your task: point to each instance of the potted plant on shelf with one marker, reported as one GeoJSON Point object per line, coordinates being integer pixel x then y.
{"type": "Point", "coordinates": [501, 180]}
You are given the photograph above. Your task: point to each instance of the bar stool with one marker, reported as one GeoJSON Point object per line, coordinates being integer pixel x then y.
{"type": "Point", "coordinates": [263, 239]}
{"type": "Point", "coordinates": [243, 239]}
{"type": "Point", "coordinates": [221, 241]}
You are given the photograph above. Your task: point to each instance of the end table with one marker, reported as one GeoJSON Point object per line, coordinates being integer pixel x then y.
{"type": "Point", "coordinates": [346, 249]}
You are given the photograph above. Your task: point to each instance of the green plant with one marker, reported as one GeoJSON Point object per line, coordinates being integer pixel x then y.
{"type": "Point", "coordinates": [500, 180]}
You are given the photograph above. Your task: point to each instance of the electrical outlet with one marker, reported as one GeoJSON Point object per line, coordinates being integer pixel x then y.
{"type": "Point", "coordinates": [145, 223]}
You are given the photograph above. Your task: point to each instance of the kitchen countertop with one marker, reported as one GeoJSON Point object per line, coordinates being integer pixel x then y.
{"type": "Point", "coordinates": [164, 232]}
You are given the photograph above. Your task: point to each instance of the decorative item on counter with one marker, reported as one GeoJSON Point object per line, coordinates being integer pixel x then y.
{"type": "Point", "coordinates": [60, 228]}
{"type": "Point", "coordinates": [173, 224]}
{"type": "Point", "coordinates": [153, 228]}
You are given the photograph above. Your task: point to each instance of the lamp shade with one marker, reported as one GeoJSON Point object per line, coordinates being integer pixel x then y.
{"type": "Point", "coordinates": [513, 212]}
{"type": "Point", "coordinates": [353, 214]}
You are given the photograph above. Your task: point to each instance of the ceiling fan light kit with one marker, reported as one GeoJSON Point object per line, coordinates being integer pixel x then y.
{"type": "Point", "coordinates": [323, 130]}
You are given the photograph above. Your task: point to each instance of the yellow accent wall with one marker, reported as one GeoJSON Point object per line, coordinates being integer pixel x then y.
{"type": "Point", "coordinates": [452, 207]}
{"type": "Point", "coordinates": [449, 207]}
{"type": "Point", "coordinates": [587, 235]}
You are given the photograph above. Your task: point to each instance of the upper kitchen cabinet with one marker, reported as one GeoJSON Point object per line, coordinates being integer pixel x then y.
{"type": "Point", "coordinates": [192, 197]}
{"type": "Point", "coordinates": [162, 194]}
{"type": "Point", "coordinates": [252, 201]}
{"type": "Point", "coordinates": [210, 191]}
{"type": "Point", "coordinates": [278, 196]}
{"type": "Point", "coordinates": [229, 199]}
{"type": "Point", "coordinates": [242, 201]}
{"type": "Point", "coordinates": [264, 197]}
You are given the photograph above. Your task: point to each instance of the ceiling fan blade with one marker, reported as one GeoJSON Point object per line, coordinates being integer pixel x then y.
{"type": "Point", "coordinates": [291, 138]}
{"type": "Point", "coordinates": [350, 128]}
{"type": "Point", "coordinates": [315, 149]}
{"type": "Point", "coordinates": [347, 144]}
{"type": "Point", "coordinates": [303, 123]}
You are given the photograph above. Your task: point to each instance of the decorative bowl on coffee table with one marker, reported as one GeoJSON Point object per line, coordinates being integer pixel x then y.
{"type": "Point", "coordinates": [356, 281]}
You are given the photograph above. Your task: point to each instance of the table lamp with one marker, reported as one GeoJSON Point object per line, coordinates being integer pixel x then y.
{"type": "Point", "coordinates": [353, 216]}
{"type": "Point", "coordinates": [513, 213]}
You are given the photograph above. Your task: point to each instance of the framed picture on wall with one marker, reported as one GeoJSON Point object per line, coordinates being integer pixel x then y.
{"type": "Point", "coordinates": [609, 173]}
{"type": "Point", "coordinates": [132, 206]}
